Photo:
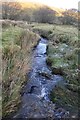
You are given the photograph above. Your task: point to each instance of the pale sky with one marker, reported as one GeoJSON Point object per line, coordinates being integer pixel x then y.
{"type": "Point", "coordinates": [66, 4]}
{"type": "Point", "coordinates": [57, 3]}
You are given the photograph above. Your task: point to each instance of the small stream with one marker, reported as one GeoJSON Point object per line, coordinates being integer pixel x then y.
{"type": "Point", "coordinates": [35, 96]}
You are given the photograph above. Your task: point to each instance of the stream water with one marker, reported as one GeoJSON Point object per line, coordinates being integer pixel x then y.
{"type": "Point", "coordinates": [35, 96]}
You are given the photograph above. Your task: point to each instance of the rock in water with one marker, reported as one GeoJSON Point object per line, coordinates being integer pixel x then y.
{"type": "Point", "coordinates": [57, 71]}
{"type": "Point", "coordinates": [45, 74]}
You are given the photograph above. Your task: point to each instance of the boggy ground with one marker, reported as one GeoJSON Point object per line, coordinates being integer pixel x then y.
{"type": "Point", "coordinates": [18, 41]}
{"type": "Point", "coordinates": [63, 53]}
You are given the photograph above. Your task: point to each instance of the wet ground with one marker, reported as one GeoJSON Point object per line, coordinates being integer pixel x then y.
{"type": "Point", "coordinates": [35, 96]}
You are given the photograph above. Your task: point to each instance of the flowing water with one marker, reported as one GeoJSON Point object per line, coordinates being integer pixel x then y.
{"type": "Point", "coordinates": [35, 96]}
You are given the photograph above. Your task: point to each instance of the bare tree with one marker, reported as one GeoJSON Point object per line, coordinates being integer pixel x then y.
{"type": "Point", "coordinates": [26, 14]}
{"type": "Point", "coordinates": [11, 10]}
{"type": "Point", "coordinates": [69, 17]}
{"type": "Point", "coordinates": [44, 15]}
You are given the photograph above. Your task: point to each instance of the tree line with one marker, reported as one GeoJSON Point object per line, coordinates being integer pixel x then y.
{"type": "Point", "coordinates": [14, 11]}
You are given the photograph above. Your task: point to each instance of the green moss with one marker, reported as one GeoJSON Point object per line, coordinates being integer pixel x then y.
{"type": "Point", "coordinates": [65, 98]}
{"type": "Point", "coordinates": [63, 48]}
{"type": "Point", "coordinates": [63, 53]}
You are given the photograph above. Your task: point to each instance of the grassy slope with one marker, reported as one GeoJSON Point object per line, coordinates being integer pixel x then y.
{"type": "Point", "coordinates": [63, 55]}
{"type": "Point", "coordinates": [17, 50]}
{"type": "Point", "coordinates": [34, 5]}
{"type": "Point", "coordinates": [37, 5]}
{"type": "Point", "coordinates": [31, 5]}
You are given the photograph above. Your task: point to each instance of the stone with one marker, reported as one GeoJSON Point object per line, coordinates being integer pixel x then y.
{"type": "Point", "coordinates": [45, 74]}
{"type": "Point", "coordinates": [56, 71]}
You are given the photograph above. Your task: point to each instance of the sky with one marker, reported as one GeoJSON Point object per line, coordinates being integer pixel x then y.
{"type": "Point", "coordinates": [65, 4]}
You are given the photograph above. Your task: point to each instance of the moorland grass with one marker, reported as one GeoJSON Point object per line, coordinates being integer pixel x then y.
{"type": "Point", "coordinates": [63, 52]}
{"type": "Point", "coordinates": [17, 46]}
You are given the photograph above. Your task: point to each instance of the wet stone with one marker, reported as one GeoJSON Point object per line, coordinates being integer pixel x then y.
{"type": "Point", "coordinates": [45, 74]}
{"type": "Point", "coordinates": [57, 71]}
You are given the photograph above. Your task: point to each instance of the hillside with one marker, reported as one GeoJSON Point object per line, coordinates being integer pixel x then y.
{"type": "Point", "coordinates": [35, 12]}
{"type": "Point", "coordinates": [30, 5]}
{"type": "Point", "coordinates": [59, 11]}
{"type": "Point", "coordinates": [38, 5]}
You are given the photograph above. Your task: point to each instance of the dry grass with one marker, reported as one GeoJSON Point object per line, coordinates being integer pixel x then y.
{"type": "Point", "coordinates": [17, 49]}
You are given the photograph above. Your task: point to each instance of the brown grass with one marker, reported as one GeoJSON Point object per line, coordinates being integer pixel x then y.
{"type": "Point", "coordinates": [17, 52]}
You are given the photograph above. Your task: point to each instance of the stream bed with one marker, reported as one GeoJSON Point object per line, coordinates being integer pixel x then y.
{"type": "Point", "coordinates": [35, 95]}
